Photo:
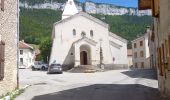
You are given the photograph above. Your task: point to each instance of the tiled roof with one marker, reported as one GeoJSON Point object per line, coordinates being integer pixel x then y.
{"type": "Point", "coordinates": [23, 45]}
{"type": "Point", "coordinates": [129, 52]}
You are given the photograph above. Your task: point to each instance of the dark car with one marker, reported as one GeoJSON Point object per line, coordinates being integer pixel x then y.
{"type": "Point", "coordinates": [55, 68]}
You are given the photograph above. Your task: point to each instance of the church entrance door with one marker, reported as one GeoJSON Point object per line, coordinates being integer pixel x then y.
{"type": "Point", "coordinates": [83, 58]}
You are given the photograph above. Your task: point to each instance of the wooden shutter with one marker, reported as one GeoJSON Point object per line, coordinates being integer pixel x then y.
{"type": "Point", "coordinates": [2, 5]}
{"type": "Point", "coordinates": [159, 60]}
{"type": "Point", "coordinates": [155, 4]}
{"type": "Point", "coordinates": [168, 53]}
{"type": "Point", "coordinates": [163, 59]}
{"type": "Point", "coordinates": [2, 59]}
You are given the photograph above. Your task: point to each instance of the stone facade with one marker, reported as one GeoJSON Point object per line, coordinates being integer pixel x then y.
{"type": "Point", "coordinates": [140, 51]}
{"type": "Point", "coordinates": [160, 41]}
{"type": "Point", "coordinates": [8, 33]}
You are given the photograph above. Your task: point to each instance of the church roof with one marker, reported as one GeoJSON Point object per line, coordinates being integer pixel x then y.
{"type": "Point", "coordinates": [87, 40]}
{"type": "Point", "coordinates": [117, 37]}
{"type": "Point", "coordinates": [84, 15]}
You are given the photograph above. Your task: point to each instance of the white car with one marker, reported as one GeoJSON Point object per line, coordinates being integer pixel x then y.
{"type": "Point", "coordinates": [39, 65]}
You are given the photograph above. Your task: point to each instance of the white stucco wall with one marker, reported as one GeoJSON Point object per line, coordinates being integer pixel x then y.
{"type": "Point", "coordinates": [28, 58]}
{"type": "Point", "coordinates": [63, 40]}
{"type": "Point", "coordinates": [138, 49]}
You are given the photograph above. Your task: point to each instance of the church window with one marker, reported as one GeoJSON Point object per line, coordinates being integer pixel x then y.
{"type": "Point", "coordinates": [91, 33]}
{"type": "Point", "coordinates": [83, 34]}
{"type": "Point", "coordinates": [74, 32]}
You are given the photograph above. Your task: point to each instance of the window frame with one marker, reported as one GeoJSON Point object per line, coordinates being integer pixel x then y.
{"type": "Point", "coordinates": [141, 53]}
{"type": "Point", "coordinates": [141, 43]}
{"type": "Point", "coordinates": [20, 52]}
{"type": "Point", "coordinates": [91, 33]}
{"type": "Point", "coordinates": [135, 45]}
{"type": "Point", "coordinates": [74, 32]}
{"type": "Point", "coordinates": [21, 63]}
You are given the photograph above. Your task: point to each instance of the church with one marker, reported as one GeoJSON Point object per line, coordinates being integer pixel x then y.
{"type": "Point", "coordinates": [81, 39]}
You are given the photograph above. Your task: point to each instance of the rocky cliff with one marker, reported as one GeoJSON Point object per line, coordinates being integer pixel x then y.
{"type": "Point", "coordinates": [89, 7]}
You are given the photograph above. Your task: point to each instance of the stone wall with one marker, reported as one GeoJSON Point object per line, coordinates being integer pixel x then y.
{"type": "Point", "coordinates": [8, 33]}
{"type": "Point", "coordinates": [162, 41]}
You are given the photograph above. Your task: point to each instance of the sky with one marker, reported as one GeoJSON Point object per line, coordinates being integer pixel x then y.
{"type": "Point", "coordinates": [126, 3]}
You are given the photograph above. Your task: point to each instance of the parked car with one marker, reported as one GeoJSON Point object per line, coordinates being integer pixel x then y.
{"type": "Point", "coordinates": [39, 65]}
{"type": "Point", "coordinates": [55, 68]}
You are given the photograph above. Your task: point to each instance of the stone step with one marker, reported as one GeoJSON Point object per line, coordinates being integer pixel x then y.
{"type": "Point", "coordinates": [85, 69]}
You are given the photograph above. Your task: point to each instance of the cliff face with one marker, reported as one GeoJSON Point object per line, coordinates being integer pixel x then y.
{"type": "Point", "coordinates": [90, 7]}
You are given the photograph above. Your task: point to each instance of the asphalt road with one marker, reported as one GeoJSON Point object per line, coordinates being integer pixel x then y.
{"type": "Point", "coordinates": [110, 85]}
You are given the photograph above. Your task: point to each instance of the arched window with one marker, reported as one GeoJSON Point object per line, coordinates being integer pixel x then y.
{"type": "Point", "coordinates": [83, 34]}
{"type": "Point", "coordinates": [74, 32]}
{"type": "Point", "coordinates": [91, 33]}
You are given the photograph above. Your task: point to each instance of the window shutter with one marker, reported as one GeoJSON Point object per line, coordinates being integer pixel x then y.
{"type": "Point", "coordinates": [2, 5]}
{"type": "Point", "coordinates": [2, 59]}
{"type": "Point", "coordinates": [168, 53]}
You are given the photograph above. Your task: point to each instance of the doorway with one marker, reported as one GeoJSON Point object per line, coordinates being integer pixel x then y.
{"type": "Point", "coordinates": [83, 58]}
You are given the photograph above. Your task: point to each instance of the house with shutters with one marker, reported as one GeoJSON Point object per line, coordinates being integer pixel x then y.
{"type": "Point", "coordinates": [8, 45]}
{"type": "Point", "coordinates": [159, 42]}
{"type": "Point", "coordinates": [26, 55]}
{"type": "Point", "coordinates": [140, 51]}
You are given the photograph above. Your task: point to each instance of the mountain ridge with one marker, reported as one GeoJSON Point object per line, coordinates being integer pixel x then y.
{"type": "Point", "coordinates": [36, 24]}
{"type": "Point", "coordinates": [89, 7]}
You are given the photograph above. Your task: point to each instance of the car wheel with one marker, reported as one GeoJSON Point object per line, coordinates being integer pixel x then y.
{"type": "Point", "coordinates": [43, 68]}
{"type": "Point", "coordinates": [33, 69]}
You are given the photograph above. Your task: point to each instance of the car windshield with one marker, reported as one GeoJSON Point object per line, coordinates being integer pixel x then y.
{"type": "Point", "coordinates": [55, 65]}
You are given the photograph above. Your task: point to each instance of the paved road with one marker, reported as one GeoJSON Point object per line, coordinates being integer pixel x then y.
{"type": "Point", "coordinates": [110, 85]}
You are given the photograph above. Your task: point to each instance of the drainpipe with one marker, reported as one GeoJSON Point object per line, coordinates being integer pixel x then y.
{"type": "Point", "coordinates": [18, 43]}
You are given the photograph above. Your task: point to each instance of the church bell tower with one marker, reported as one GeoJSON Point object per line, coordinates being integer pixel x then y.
{"type": "Point", "coordinates": [70, 9]}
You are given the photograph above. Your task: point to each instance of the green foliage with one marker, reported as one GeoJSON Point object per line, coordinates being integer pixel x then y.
{"type": "Point", "coordinates": [45, 48]}
{"type": "Point", "coordinates": [35, 25]}
{"type": "Point", "coordinates": [128, 27]}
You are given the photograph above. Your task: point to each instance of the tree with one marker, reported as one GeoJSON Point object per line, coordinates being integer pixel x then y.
{"type": "Point", "coordinates": [45, 48]}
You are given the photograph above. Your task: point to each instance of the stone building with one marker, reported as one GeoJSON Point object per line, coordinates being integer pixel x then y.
{"type": "Point", "coordinates": [81, 39]}
{"type": "Point", "coordinates": [140, 51]}
{"type": "Point", "coordinates": [8, 45]}
{"type": "Point", "coordinates": [160, 39]}
{"type": "Point", "coordinates": [26, 55]}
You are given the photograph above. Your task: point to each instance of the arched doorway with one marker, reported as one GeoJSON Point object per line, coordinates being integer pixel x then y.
{"type": "Point", "coordinates": [85, 55]}
{"type": "Point", "coordinates": [83, 58]}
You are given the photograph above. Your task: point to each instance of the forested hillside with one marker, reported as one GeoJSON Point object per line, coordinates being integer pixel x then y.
{"type": "Point", "coordinates": [36, 24]}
